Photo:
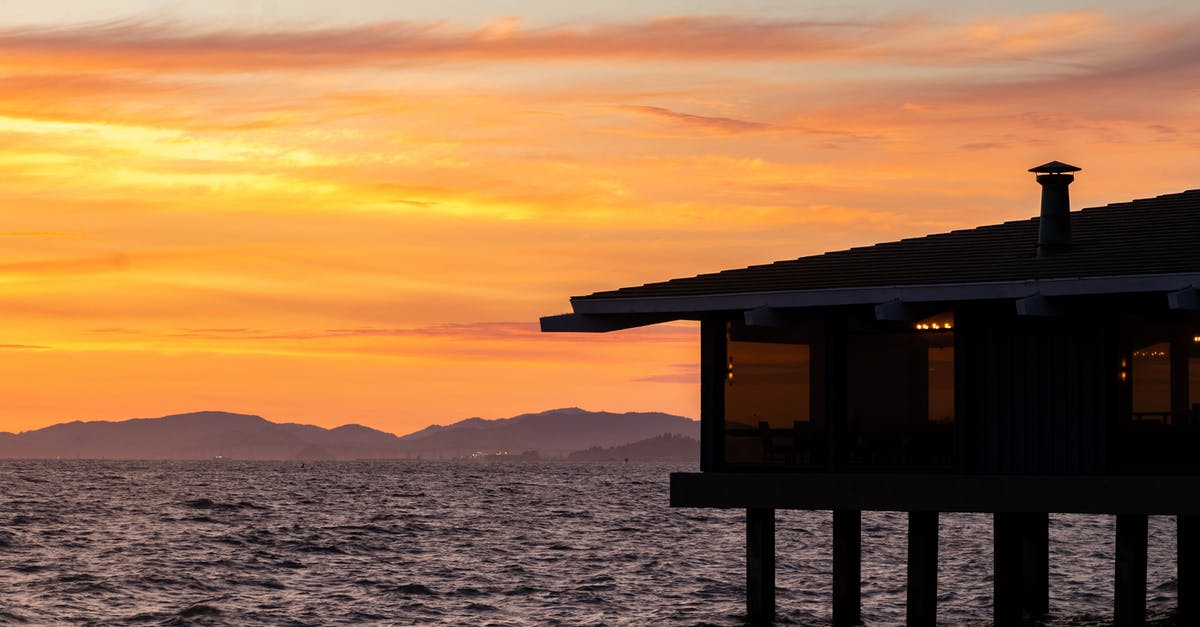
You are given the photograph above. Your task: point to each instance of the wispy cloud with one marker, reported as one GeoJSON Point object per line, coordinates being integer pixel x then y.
{"type": "Point", "coordinates": [721, 125]}
{"type": "Point", "coordinates": [471, 332]}
{"type": "Point", "coordinates": [166, 46]}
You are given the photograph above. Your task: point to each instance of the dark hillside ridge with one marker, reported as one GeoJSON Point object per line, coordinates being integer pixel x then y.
{"type": "Point", "coordinates": [211, 434]}
{"type": "Point", "coordinates": [668, 446]}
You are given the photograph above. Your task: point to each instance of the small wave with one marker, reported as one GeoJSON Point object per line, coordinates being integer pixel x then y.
{"type": "Point", "coordinates": [309, 547]}
{"type": "Point", "coordinates": [409, 588]}
{"type": "Point", "coordinates": [206, 503]}
{"type": "Point", "coordinates": [199, 612]}
{"type": "Point", "coordinates": [76, 577]}
{"type": "Point", "coordinates": [198, 609]}
{"type": "Point", "coordinates": [270, 584]}
{"type": "Point", "coordinates": [82, 583]}
{"type": "Point", "coordinates": [366, 528]}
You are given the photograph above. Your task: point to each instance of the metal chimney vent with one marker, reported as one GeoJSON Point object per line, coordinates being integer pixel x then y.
{"type": "Point", "coordinates": [1054, 227]}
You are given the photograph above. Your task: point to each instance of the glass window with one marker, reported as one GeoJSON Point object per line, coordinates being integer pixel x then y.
{"type": "Point", "coordinates": [1159, 377]}
{"type": "Point", "coordinates": [941, 378]}
{"type": "Point", "coordinates": [1194, 380]}
{"type": "Point", "coordinates": [767, 402]}
{"type": "Point", "coordinates": [900, 395]}
{"type": "Point", "coordinates": [1151, 384]}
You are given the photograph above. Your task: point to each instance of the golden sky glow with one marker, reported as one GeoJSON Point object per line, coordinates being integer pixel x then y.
{"type": "Point", "coordinates": [358, 216]}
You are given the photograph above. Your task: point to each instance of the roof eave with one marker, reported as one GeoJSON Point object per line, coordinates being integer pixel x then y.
{"type": "Point", "coordinates": [681, 306]}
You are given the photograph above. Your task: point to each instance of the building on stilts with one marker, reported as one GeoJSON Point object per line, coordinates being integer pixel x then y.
{"type": "Point", "coordinates": [1048, 365]}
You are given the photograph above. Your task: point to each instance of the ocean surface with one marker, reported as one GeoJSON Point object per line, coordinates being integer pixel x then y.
{"type": "Point", "coordinates": [415, 543]}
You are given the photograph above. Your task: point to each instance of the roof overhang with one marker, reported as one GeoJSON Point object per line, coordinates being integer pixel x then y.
{"type": "Point", "coordinates": [608, 314]}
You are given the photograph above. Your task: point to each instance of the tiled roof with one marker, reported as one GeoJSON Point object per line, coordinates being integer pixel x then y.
{"type": "Point", "coordinates": [1149, 236]}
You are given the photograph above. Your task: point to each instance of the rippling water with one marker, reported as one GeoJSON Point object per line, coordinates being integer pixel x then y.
{"type": "Point", "coordinates": [458, 543]}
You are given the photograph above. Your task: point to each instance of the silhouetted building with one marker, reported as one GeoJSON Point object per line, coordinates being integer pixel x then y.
{"type": "Point", "coordinates": [1036, 366]}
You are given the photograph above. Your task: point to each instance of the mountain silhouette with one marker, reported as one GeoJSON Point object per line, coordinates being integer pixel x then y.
{"type": "Point", "coordinates": [198, 435]}
{"type": "Point", "coordinates": [666, 446]}
{"type": "Point", "coordinates": [209, 434]}
{"type": "Point", "coordinates": [554, 433]}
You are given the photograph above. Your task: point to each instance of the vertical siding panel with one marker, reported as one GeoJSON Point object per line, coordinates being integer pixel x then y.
{"type": "Point", "coordinates": [1067, 344]}
{"type": "Point", "coordinates": [1039, 352]}
{"type": "Point", "coordinates": [1071, 441]}
{"type": "Point", "coordinates": [1006, 448]}
{"type": "Point", "coordinates": [966, 418]}
{"type": "Point", "coordinates": [992, 363]}
{"type": "Point", "coordinates": [1034, 374]}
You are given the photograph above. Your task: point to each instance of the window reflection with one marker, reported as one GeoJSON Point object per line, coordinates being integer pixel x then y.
{"type": "Point", "coordinates": [900, 395]}
{"type": "Point", "coordinates": [1151, 383]}
{"type": "Point", "coordinates": [767, 398]}
{"type": "Point", "coordinates": [1160, 376]}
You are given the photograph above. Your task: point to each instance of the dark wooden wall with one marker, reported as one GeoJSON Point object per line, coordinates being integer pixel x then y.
{"type": "Point", "coordinates": [1036, 395]}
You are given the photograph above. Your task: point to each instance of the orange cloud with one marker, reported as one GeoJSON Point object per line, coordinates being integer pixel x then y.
{"type": "Point", "coordinates": [172, 47]}
{"type": "Point", "coordinates": [129, 44]}
{"type": "Point", "coordinates": [720, 125]}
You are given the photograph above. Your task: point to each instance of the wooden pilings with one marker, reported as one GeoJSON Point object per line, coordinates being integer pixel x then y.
{"type": "Point", "coordinates": [1006, 569]}
{"type": "Point", "coordinates": [1129, 599]}
{"type": "Point", "coordinates": [1035, 563]}
{"type": "Point", "coordinates": [760, 565]}
{"type": "Point", "coordinates": [847, 567]}
{"type": "Point", "coordinates": [1188, 568]}
{"type": "Point", "coordinates": [1021, 563]}
{"type": "Point", "coordinates": [921, 608]}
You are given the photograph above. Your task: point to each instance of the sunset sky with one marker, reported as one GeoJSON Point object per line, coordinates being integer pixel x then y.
{"type": "Point", "coordinates": [356, 211]}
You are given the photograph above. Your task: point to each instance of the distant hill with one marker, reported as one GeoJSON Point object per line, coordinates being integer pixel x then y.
{"type": "Point", "coordinates": [553, 433]}
{"type": "Point", "coordinates": [208, 434]}
{"type": "Point", "coordinates": [666, 446]}
{"type": "Point", "coordinates": [199, 435]}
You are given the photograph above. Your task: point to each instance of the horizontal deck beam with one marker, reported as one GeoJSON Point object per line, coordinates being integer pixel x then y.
{"type": "Point", "coordinates": [1163, 495]}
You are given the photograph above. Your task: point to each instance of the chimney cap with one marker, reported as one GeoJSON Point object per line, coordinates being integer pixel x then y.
{"type": "Point", "coordinates": [1055, 167]}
